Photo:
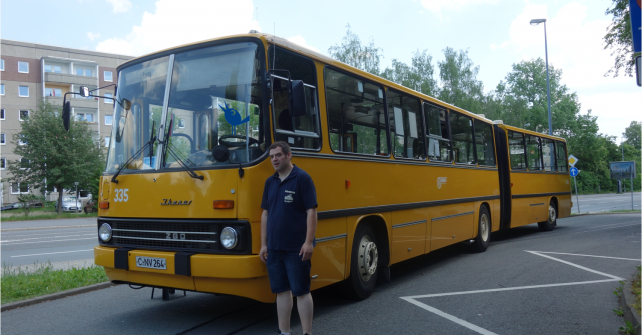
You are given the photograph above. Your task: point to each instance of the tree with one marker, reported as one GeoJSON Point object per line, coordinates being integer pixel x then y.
{"type": "Point", "coordinates": [418, 76]}
{"type": "Point", "coordinates": [619, 38]}
{"type": "Point", "coordinates": [351, 52]}
{"type": "Point", "coordinates": [460, 86]}
{"type": "Point", "coordinates": [56, 158]}
{"type": "Point", "coordinates": [633, 134]}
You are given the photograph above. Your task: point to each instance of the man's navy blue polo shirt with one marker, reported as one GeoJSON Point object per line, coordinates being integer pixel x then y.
{"type": "Point", "coordinates": [286, 202]}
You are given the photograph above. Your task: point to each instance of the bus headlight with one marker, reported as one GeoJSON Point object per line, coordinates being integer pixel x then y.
{"type": "Point", "coordinates": [229, 237]}
{"type": "Point", "coordinates": [105, 232]}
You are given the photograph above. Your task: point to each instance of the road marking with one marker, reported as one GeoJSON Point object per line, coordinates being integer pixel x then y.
{"type": "Point", "coordinates": [412, 299]}
{"type": "Point", "coordinates": [52, 253]}
{"type": "Point", "coordinates": [39, 238]}
{"type": "Point", "coordinates": [76, 239]}
{"type": "Point", "coordinates": [9, 234]}
{"type": "Point", "coordinates": [52, 227]}
{"type": "Point", "coordinates": [563, 253]}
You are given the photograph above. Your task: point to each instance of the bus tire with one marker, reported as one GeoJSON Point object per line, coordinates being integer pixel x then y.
{"type": "Point", "coordinates": [363, 264]}
{"type": "Point", "coordinates": [549, 224]}
{"type": "Point", "coordinates": [483, 231]}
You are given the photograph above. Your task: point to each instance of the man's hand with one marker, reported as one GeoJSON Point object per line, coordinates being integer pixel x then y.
{"type": "Point", "coordinates": [306, 251]}
{"type": "Point", "coordinates": [263, 254]}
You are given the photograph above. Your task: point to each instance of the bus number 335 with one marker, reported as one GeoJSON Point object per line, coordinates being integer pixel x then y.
{"type": "Point", "coordinates": [121, 195]}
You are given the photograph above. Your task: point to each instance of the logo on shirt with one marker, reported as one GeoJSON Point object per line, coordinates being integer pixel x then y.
{"type": "Point", "coordinates": [288, 198]}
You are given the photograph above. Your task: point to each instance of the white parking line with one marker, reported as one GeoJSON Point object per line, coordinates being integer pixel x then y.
{"type": "Point", "coordinates": [563, 253]}
{"type": "Point", "coordinates": [75, 239]}
{"type": "Point", "coordinates": [52, 253]}
{"type": "Point", "coordinates": [412, 299]}
{"type": "Point", "coordinates": [39, 238]}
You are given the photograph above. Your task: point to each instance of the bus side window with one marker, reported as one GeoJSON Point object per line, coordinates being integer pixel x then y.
{"type": "Point", "coordinates": [533, 153]}
{"type": "Point", "coordinates": [484, 143]}
{"type": "Point", "coordinates": [561, 156]}
{"type": "Point", "coordinates": [356, 115]}
{"type": "Point", "coordinates": [516, 150]}
{"type": "Point", "coordinates": [438, 137]}
{"type": "Point", "coordinates": [548, 154]}
{"type": "Point", "coordinates": [301, 131]}
{"type": "Point", "coordinates": [405, 126]}
{"type": "Point", "coordinates": [462, 138]}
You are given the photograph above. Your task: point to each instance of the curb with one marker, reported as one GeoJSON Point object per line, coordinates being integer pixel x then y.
{"type": "Point", "coordinates": [602, 213]}
{"type": "Point", "coordinates": [630, 314]}
{"type": "Point", "coordinates": [55, 296]}
{"type": "Point", "coordinates": [52, 227]}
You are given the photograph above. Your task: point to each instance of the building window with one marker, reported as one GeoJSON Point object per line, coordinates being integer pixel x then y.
{"type": "Point", "coordinates": [3, 139]}
{"type": "Point", "coordinates": [83, 72]}
{"type": "Point", "coordinates": [16, 188]}
{"type": "Point", "coordinates": [24, 163]}
{"type": "Point", "coordinates": [53, 68]}
{"type": "Point", "coordinates": [53, 92]}
{"type": "Point", "coordinates": [1, 89]}
{"type": "Point", "coordinates": [109, 119]}
{"type": "Point", "coordinates": [2, 114]}
{"type": "Point", "coordinates": [23, 67]}
{"type": "Point", "coordinates": [21, 140]}
{"type": "Point", "coordinates": [23, 91]}
{"type": "Point", "coordinates": [3, 163]}
{"type": "Point", "coordinates": [86, 117]}
{"type": "Point", "coordinates": [107, 138]}
{"type": "Point", "coordinates": [109, 101]}
{"type": "Point", "coordinates": [107, 76]}
{"type": "Point", "coordinates": [1, 64]}
{"type": "Point", "coordinates": [23, 115]}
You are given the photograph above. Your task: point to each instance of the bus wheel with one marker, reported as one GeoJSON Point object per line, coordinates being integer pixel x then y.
{"type": "Point", "coordinates": [363, 265]}
{"type": "Point", "coordinates": [483, 231]}
{"type": "Point", "coordinates": [549, 224]}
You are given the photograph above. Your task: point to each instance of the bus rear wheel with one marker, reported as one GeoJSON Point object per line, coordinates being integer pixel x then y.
{"type": "Point", "coordinates": [483, 231]}
{"type": "Point", "coordinates": [363, 264]}
{"type": "Point", "coordinates": [551, 222]}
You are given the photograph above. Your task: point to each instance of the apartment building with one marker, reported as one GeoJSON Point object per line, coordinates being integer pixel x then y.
{"type": "Point", "coordinates": [31, 73]}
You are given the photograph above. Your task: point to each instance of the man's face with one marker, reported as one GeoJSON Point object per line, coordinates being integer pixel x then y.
{"type": "Point", "coordinates": [280, 161]}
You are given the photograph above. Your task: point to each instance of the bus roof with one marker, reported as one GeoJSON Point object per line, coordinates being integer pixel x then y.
{"type": "Point", "coordinates": [530, 132]}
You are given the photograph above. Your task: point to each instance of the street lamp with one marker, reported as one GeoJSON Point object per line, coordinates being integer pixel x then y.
{"type": "Point", "coordinates": [535, 22]}
{"type": "Point", "coordinates": [76, 183]}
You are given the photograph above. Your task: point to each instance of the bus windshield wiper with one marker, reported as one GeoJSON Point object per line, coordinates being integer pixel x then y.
{"type": "Point", "coordinates": [150, 143]}
{"type": "Point", "coordinates": [167, 148]}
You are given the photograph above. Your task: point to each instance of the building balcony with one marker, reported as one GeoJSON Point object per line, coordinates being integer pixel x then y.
{"type": "Point", "coordinates": [93, 126]}
{"type": "Point", "coordinates": [78, 103]}
{"type": "Point", "coordinates": [63, 78]}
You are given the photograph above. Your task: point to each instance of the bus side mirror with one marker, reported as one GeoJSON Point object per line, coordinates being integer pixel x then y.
{"type": "Point", "coordinates": [66, 114]}
{"type": "Point", "coordinates": [126, 104]}
{"type": "Point", "coordinates": [84, 91]}
{"type": "Point", "coordinates": [297, 98]}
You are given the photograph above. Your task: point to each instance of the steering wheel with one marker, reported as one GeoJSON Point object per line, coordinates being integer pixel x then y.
{"type": "Point", "coordinates": [222, 140]}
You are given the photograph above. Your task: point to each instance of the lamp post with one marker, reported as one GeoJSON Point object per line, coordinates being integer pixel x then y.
{"type": "Point", "coordinates": [535, 22]}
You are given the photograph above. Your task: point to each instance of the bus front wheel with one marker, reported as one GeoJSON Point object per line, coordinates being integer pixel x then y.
{"type": "Point", "coordinates": [363, 264]}
{"type": "Point", "coordinates": [483, 231]}
{"type": "Point", "coordinates": [549, 224]}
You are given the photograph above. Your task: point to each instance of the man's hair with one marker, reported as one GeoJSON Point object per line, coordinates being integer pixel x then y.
{"type": "Point", "coordinates": [280, 144]}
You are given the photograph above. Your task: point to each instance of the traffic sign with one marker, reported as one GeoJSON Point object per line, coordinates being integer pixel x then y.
{"type": "Point", "coordinates": [574, 171]}
{"type": "Point", "coordinates": [572, 160]}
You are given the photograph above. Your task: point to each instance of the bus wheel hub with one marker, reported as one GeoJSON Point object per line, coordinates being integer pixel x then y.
{"type": "Point", "coordinates": [368, 258]}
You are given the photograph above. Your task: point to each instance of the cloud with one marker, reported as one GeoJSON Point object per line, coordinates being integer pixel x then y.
{"type": "Point", "coordinates": [615, 110]}
{"type": "Point", "coordinates": [120, 6]}
{"type": "Point", "coordinates": [500, 46]}
{"type": "Point", "coordinates": [436, 6]}
{"type": "Point", "coordinates": [301, 41]}
{"type": "Point", "coordinates": [176, 22]}
{"type": "Point", "coordinates": [93, 36]}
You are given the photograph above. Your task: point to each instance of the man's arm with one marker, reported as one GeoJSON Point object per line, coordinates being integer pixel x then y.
{"type": "Point", "coordinates": [308, 246]}
{"type": "Point", "coordinates": [263, 252]}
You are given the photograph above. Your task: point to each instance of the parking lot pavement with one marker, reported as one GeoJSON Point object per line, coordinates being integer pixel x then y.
{"type": "Point", "coordinates": [528, 282]}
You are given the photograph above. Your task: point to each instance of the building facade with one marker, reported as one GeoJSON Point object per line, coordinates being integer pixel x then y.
{"type": "Point", "coordinates": [31, 73]}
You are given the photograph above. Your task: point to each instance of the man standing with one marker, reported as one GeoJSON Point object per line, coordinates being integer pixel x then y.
{"type": "Point", "coordinates": [288, 224]}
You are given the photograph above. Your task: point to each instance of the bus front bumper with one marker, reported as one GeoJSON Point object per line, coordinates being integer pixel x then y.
{"type": "Point", "coordinates": [241, 275]}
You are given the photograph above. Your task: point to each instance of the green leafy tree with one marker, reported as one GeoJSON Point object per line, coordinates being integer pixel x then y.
{"type": "Point", "coordinates": [352, 52]}
{"type": "Point", "coordinates": [460, 86]}
{"type": "Point", "coordinates": [56, 158]}
{"type": "Point", "coordinates": [633, 134]}
{"type": "Point", "coordinates": [419, 76]}
{"type": "Point", "coordinates": [618, 38]}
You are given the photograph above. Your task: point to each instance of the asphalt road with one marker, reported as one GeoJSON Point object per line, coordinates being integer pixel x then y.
{"type": "Point", "coordinates": [55, 245]}
{"type": "Point", "coordinates": [605, 202]}
{"type": "Point", "coordinates": [527, 282]}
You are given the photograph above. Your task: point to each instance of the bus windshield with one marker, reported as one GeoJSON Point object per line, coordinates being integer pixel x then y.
{"type": "Point", "coordinates": [214, 98]}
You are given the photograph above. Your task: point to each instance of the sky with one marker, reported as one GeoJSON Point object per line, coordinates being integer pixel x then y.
{"type": "Point", "coordinates": [496, 34]}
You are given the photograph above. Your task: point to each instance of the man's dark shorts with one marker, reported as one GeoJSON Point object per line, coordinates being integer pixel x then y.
{"type": "Point", "coordinates": [288, 272]}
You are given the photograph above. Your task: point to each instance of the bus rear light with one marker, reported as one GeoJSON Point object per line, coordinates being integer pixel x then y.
{"type": "Point", "coordinates": [103, 205]}
{"type": "Point", "coordinates": [223, 204]}
{"type": "Point", "coordinates": [347, 183]}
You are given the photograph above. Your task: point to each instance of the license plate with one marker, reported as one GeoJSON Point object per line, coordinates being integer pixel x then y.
{"type": "Point", "coordinates": [151, 262]}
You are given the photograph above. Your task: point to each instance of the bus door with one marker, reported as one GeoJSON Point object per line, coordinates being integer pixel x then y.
{"type": "Point", "coordinates": [503, 167]}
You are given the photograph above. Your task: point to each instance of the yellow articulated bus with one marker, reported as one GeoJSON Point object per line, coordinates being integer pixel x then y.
{"type": "Point", "coordinates": [398, 173]}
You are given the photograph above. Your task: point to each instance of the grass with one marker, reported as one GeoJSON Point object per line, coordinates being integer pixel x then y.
{"type": "Point", "coordinates": [47, 216]}
{"type": "Point", "coordinates": [18, 284]}
{"type": "Point", "coordinates": [635, 289]}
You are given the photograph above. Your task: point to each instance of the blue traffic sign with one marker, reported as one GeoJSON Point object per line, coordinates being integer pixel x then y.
{"type": "Point", "coordinates": [636, 24]}
{"type": "Point", "coordinates": [574, 171]}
